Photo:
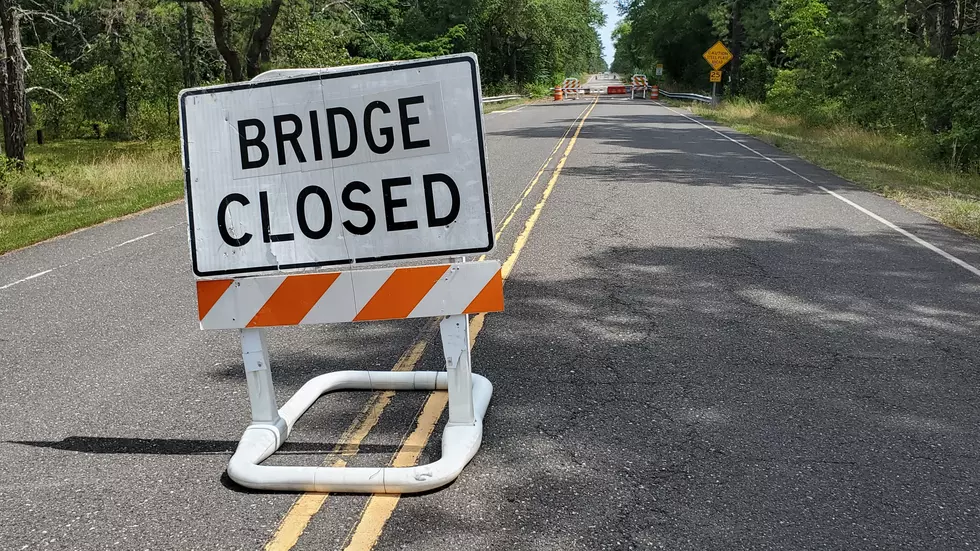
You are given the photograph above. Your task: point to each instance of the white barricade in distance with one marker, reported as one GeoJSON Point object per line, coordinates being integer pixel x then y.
{"type": "Point", "coordinates": [638, 82]}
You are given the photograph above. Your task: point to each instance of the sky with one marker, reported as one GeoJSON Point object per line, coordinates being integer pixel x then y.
{"type": "Point", "coordinates": [609, 7]}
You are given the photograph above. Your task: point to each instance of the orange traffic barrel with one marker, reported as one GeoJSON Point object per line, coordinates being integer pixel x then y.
{"type": "Point", "coordinates": [558, 94]}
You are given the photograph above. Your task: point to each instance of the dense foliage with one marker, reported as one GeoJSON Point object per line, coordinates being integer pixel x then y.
{"type": "Point", "coordinates": [113, 68]}
{"type": "Point", "coordinates": [903, 66]}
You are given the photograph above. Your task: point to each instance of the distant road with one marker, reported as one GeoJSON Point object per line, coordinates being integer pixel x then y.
{"type": "Point", "coordinates": [708, 344]}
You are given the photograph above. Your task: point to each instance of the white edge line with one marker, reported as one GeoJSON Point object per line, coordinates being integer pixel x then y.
{"type": "Point", "coordinates": [959, 262]}
{"type": "Point", "coordinates": [915, 238]}
{"type": "Point", "coordinates": [133, 240]}
{"type": "Point", "coordinates": [76, 261]}
{"type": "Point", "coordinates": [28, 278]}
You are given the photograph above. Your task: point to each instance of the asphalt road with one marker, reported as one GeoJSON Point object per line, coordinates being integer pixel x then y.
{"type": "Point", "coordinates": [701, 350]}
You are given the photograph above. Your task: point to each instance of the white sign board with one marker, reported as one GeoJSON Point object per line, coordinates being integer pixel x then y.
{"type": "Point", "coordinates": [353, 164]}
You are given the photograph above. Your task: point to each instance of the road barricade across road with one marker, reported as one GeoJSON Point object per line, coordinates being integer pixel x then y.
{"type": "Point", "coordinates": [569, 89]}
{"type": "Point", "coordinates": [639, 82]}
{"type": "Point", "coordinates": [257, 202]}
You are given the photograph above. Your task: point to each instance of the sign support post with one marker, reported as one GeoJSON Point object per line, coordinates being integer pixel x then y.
{"type": "Point", "coordinates": [455, 331]}
{"type": "Point", "coordinates": [258, 377]}
{"type": "Point", "coordinates": [716, 56]}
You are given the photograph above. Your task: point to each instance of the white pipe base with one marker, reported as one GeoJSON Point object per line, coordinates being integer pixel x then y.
{"type": "Point", "coordinates": [459, 442]}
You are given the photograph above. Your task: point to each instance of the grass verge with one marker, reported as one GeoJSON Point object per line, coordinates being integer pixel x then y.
{"type": "Point", "coordinates": [74, 184]}
{"type": "Point", "coordinates": [501, 105]}
{"type": "Point", "coordinates": [77, 183]}
{"type": "Point", "coordinates": [890, 165]}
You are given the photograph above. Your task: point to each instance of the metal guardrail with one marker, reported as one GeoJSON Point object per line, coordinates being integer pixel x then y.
{"type": "Point", "coordinates": [690, 97]}
{"type": "Point", "coordinates": [495, 99]}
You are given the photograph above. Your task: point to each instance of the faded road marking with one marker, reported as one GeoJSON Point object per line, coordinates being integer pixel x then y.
{"type": "Point", "coordinates": [84, 258]}
{"type": "Point", "coordinates": [959, 262]}
{"type": "Point", "coordinates": [381, 506]}
{"type": "Point", "coordinates": [308, 504]}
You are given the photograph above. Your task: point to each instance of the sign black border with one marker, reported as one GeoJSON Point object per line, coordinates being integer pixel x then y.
{"type": "Point", "coordinates": [477, 106]}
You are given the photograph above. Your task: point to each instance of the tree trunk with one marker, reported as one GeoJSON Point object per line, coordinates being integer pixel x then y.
{"type": "Point", "coordinates": [259, 41]}
{"type": "Point", "coordinates": [513, 63]}
{"type": "Point", "coordinates": [189, 57]}
{"type": "Point", "coordinates": [14, 90]}
{"type": "Point", "coordinates": [122, 95]}
{"type": "Point", "coordinates": [947, 29]}
{"type": "Point", "coordinates": [930, 26]}
{"type": "Point", "coordinates": [4, 85]}
{"type": "Point", "coordinates": [222, 38]}
{"type": "Point", "coordinates": [736, 62]}
{"type": "Point", "coordinates": [960, 17]}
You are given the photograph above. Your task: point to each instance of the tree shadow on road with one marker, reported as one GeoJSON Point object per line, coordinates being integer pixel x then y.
{"type": "Point", "coordinates": [756, 393]}
{"type": "Point", "coordinates": [668, 149]}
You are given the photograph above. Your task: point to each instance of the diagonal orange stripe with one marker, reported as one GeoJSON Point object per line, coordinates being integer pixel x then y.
{"type": "Point", "coordinates": [293, 299]}
{"type": "Point", "coordinates": [208, 293]}
{"type": "Point", "coordinates": [401, 293]}
{"type": "Point", "coordinates": [490, 299]}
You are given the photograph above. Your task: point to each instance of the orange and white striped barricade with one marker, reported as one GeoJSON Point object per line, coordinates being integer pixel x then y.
{"type": "Point", "coordinates": [639, 83]}
{"type": "Point", "coordinates": [452, 290]}
{"type": "Point", "coordinates": [258, 202]}
{"type": "Point", "coordinates": [570, 87]}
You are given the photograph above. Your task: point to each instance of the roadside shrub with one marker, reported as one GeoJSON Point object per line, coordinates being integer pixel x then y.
{"type": "Point", "coordinates": [784, 94]}
{"type": "Point", "coordinates": [537, 90]}
{"type": "Point", "coordinates": [502, 88]}
{"type": "Point", "coordinates": [755, 77]}
{"type": "Point", "coordinates": [17, 187]}
{"type": "Point", "coordinates": [154, 120]}
{"type": "Point", "coordinates": [22, 189]}
{"type": "Point", "coordinates": [960, 144]}
{"type": "Point", "coordinates": [790, 95]}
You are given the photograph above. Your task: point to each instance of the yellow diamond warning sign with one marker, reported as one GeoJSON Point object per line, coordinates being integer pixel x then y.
{"type": "Point", "coordinates": [717, 55]}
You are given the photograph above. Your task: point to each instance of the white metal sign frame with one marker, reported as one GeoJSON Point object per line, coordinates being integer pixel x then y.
{"type": "Point", "coordinates": [469, 394]}
{"type": "Point", "coordinates": [469, 397]}
{"type": "Point", "coordinates": [312, 259]}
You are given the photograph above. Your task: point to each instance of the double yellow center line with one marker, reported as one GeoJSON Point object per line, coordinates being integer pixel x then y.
{"type": "Point", "coordinates": [380, 507]}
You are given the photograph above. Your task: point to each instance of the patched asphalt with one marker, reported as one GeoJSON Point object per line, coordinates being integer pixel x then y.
{"type": "Point", "coordinates": [700, 351]}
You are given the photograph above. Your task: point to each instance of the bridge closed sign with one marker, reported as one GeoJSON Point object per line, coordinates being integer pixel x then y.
{"type": "Point", "coordinates": [354, 164]}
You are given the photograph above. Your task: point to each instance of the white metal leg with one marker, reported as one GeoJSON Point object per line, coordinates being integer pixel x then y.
{"type": "Point", "coordinates": [258, 375]}
{"type": "Point", "coordinates": [459, 442]}
{"type": "Point", "coordinates": [469, 396]}
{"type": "Point", "coordinates": [455, 332]}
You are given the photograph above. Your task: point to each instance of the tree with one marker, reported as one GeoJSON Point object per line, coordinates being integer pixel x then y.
{"type": "Point", "coordinates": [13, 88]}
{"type": "Point", "coordinates": [885, 64]}
{"type": "Point", "coordinates": [114, 68]}
{"type": "Point", "coordinates": [257, 36]}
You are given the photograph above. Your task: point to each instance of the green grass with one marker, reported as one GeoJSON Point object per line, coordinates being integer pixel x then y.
{"type": "Point", "coordinates": [890, 165]}
{"type": "Point", "coordinates": [77, 183]}
{"type": "Point", "coordinates": [501, 105]}
{"type": "Point", "coordinates": [74, 184]}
